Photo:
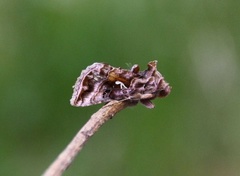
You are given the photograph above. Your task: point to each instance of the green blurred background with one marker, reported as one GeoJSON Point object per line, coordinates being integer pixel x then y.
{"type": "Point", "coordinates": [45, 44]}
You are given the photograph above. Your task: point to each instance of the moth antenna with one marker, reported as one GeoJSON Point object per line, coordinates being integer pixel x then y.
{"type": "Point", "coordinates": [129, 65]}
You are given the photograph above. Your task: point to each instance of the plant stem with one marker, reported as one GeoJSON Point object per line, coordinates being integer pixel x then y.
{"type": "Point", "coordinates": [75, 146]}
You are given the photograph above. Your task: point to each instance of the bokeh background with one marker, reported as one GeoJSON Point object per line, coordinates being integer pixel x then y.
{"type": "Point", "coordinates": [45, 44]}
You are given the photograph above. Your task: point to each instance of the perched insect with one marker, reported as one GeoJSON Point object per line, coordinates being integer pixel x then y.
{"type": "Point", "coordinates": [101, 83]}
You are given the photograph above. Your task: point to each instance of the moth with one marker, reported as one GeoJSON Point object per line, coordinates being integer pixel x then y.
{"type": "Point", "coordinates": [101, 83]}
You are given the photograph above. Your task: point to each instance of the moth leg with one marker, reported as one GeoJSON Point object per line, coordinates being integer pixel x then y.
{"type": "Point", "coordinates": [147, 103]}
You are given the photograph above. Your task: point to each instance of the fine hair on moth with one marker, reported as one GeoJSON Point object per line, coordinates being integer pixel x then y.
{"type": "Point", "coordinates": [122, 86]}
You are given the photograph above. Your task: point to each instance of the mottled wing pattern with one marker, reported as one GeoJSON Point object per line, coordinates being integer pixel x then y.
{"type": "Point", "coordinates": [100, 83]}
{"type": "Point", "coordinates": [90, 86]}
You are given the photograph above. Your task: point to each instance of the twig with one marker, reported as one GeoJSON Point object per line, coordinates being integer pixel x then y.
{"type": "Point", "coordinates": [74, 147]}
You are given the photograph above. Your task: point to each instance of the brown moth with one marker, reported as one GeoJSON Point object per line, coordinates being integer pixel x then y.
{"type": "Point", "coordinates": [101, 83]}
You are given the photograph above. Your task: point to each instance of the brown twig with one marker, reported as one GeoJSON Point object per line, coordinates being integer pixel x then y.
{"type": "Point", "coordinates": [74, 147]}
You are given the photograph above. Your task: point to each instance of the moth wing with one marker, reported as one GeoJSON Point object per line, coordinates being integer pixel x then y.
{"type": "Point", "coordinates": [91, 86]}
